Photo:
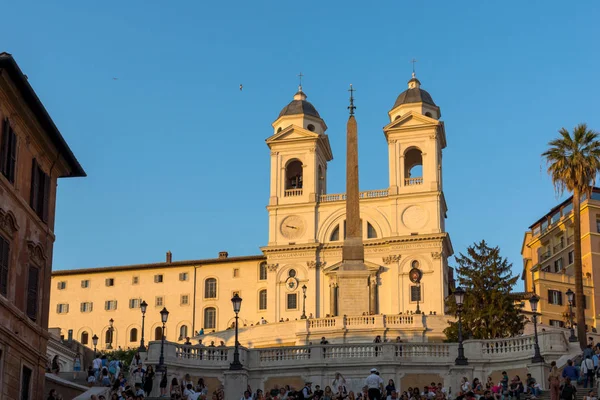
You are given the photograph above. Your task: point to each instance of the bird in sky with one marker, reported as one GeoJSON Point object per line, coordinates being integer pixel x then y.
{"type": "Point", "coordinates": [114, 79]}
{"type": "Point", "coordinates": [241, 87]}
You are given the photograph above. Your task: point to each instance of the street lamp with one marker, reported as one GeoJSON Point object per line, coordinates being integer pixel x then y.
{"type": "Point", "coordinates": [143, 307]}
{"type": "Point", "coordinates": [570, 298]}
{"type": "Point", "coordinates": [95, 341]}
{"type": "Point", "coordinates": [110, 333]}
{"type": "Point", "coordinates": [303, 316]}
{"type": "Point", "coordinates": [418, 311]}
{"type": "Point", "coordinates": [459, 296]}
{"type": "Point", "coordinates": [164, 316]}
{"type": "Point", "coordinates": [236, 301]}
{"type": "Point", "coordinates": [533, 302]}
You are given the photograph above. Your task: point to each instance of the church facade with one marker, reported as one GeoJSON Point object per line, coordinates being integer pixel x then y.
{"type": "Point", "coordinates": [298, 274]}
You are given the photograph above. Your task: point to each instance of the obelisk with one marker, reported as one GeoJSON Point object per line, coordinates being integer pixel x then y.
{"type": "Point", "coordinates": [353, 275]}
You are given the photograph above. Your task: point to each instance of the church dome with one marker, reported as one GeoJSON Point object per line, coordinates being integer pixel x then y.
{"type": "Point", "coordinates": [414, 94]}
{"type": "Point", "coordinates": [299, 106]}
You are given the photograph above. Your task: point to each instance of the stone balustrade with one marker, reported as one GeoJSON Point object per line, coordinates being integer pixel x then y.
{"type": "Point", "coordinates": [292, 193]}
{"type": "Point", "coordinates": [367, 194]}
{"type": "Point", "coordinates": [413, 181]}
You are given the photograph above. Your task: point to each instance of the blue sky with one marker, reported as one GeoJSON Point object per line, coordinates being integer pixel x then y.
{"type": "Point", "coordinates": [175, 154]}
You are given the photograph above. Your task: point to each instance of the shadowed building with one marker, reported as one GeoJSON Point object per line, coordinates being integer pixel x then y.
{"type": "Point", "coordinates": [33, 155]}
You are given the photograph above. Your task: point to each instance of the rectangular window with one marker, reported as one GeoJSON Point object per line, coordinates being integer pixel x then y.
{"type": "Point", "coordinates": [159, 301]}
{"type": "Point", "coordinates": [262, 299]}
{"type": "Point", "coordinates": [555, 297]}
{"type": "Point", "coordinates": [4, 250]}
{"type": "Point", "coordinates": [292, 301]}
{"type": "Point", "coordinates": [185, 299]}
{"type": "Point", "coordinates": [557, 323]}
{"type": "Point", "coordinates": [236, 272]}
{"type": "Point", "coordinates": [183, 276]}
{"type": "Point", "coordinates": [571, 257]}
{"type": "Point", "coordinates": [110, 282]}
{"type": "Point", "coordinates": [40, 191]}
{"type": "Point", "coordinates": [85, 283]}
{"type": "Point", "coordinates": [262, 275]}
{"type": "Point", "coordinates": [86, 307]}
{"type": "Point", "coordinates": [415, 294]}
{"type": "Point", "coordinates": [8, 151]}
{"type": "Point", "coordinates": [110, 305]}
{"type": "Point", "coordinates": [62, 308]}
{"type": "Point", "coordinates": [558, 265]}
{"type": "Point", "coordinates": [32, 292]}
{"type": "Point", "coordinates": [62, 285]}
{"type": "Point", "coordinates": [134, 303]}
{"type": "Point", "coordinates": [25, 383]}
{"type": "Point", "coordinates": [135, 280]}
{"type": "Point", "coordinates": [158, 278]}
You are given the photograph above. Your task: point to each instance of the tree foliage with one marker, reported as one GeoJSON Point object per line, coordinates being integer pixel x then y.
{"type": "Point", "coordinates": [573, 163]}
{"type": "Point", "coordinates": [489, 309]}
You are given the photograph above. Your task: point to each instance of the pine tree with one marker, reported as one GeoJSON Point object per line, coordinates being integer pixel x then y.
{"type": "Point", "coordinates": [489, 309]}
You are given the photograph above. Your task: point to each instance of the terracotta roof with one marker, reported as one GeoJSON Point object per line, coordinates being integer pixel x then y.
{"type": "Point", "coordinates": [157, 265]}
{"type": "Point", "coordinates": [8, 64]}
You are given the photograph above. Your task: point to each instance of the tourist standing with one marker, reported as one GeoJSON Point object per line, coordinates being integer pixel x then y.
{"type": "Point", "coordinates": [587, 371]}
{"type": "Point", "coordinates": [307, 391]}
{"type": "Point", "coordinates": [568, 391]}
{"type": "Point", "coordinates": [76, 365]}
{"type": "Point", "coordinates": [55, 366]}
{"type": "Point", "coordinates": [339, 383]}
{"type": "Point", "coordinates": [554, 379]}
{"type": "Point", "coordinates": [163, 385]}
{"type": "Point", "coordinates": [149, 381]}
{"type": "Point", "coordinates": [390, 388]}
{"type": "Point", "coordinates": [374, 384]}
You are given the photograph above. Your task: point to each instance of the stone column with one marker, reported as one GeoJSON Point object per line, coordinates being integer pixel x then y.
{"type": "Point", "coordinates": [332, 299]}
{"type": "Point", "coordinates": [235, 383]}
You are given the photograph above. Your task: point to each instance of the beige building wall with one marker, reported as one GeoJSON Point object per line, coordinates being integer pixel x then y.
{"type": "Point", "coordinates": [548, 260]}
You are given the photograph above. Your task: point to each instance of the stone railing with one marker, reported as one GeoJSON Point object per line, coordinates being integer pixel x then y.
{"type": "Point", "coordinates": [367, 194]}
{"type": "Point", "coordinates": [413, 181]}
{"type": "Point", "coordinates": [292, 193]}
{"type": "Point", "coordinates": [361, 322]}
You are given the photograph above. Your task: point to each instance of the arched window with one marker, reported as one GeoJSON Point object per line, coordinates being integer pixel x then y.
{"type": "Point", "coordinates": [85, 337]}
{"type": "Point", "coordinates": [293, 175]}
{"type": "Point", "coordinates": [413, 167]}
{"type": "Point", "coordinates": [158, 333]}
{"type": "Point", "coordinates": [210, 318]}
{"type": "Point", "coordinates": [428, 114]}
{"type": "Point", "coordinates": [262, 273]}
{"type": "Point", "coordinates": [262, 299]}
{"type": "Point", "coordinates": [414, 264]}
{"type": "Point", "coordinates": [133, 335]}
{"type": "Point", "coordinates": [210, 288]}
{"type": "Point", "coordinates": [335, 235]}
{"type": "Point", "coordinates": [183, 332]}
{"type": "Point", "coordinates": [371, 232]}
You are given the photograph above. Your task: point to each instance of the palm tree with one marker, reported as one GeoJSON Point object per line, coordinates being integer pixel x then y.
{"type": "Point", "coordinates": [573, 162]}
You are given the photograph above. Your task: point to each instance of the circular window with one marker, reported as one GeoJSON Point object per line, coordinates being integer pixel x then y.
{"type": "Point", "coordinates": [279, 130]}
{"type": "Point", "coordinates": [397, 116]}
{"type": "Point", "coordinates": [414, 264]}
{"type": "Point", "coordinates": [428, 114]}
{"type": "Point", "coordinates": [292, 273]}
{"type": "Point", "coordinates": [311, 127]}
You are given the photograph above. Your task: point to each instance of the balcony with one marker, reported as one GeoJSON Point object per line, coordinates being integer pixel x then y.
{"type": "Point", "coordinates": [367, 194]}
{"type": "Point", "coordinates": [545, 256]}
{"type": "Point", "coordinates": [559, 277]}
{"type": "Point", "coordinates": [292, 193]}
{"type": "Point", "coordinates": [413, 181]}
{"type": "Point", "coordinates": [558, 248]}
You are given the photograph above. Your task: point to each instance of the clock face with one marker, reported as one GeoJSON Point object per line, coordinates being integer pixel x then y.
{"type": "Point", "coordinates": [292, 227]}
{"type": "Point", "coordinates": [415, 275]}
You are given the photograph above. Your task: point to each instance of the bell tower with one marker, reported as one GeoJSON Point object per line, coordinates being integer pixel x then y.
{"type": "Point", "coordinates": [415, 137]}
{"type": "Point", "coordinates": [300, 152]}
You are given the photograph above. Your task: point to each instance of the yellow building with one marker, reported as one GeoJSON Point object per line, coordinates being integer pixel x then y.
{"type": "Point", "coordinates": [548, 260]}
{"type": "Point", "coordinates": [403, 227]}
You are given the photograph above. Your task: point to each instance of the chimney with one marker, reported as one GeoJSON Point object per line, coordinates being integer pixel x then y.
{"type": "Point", "coordinates": [70, 335]}
{"type": "Point", "coordinates": [223, 254]}
{"type": "Point", "coordinates": [169, 257]}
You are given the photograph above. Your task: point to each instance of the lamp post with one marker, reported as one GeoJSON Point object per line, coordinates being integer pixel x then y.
{"type": "Point", "coordinates": [533, 302]}
{"type": "Point", "coordinates": [570, 298]}
{"type": "Point", "coordinates": [303, 316]}
{"type": "Point", "coordinates": [95, 342]}
{"type": "Point", "coordinates": [164, 316]}
{"type": "Point", "coordinates": [418, 298]}
{"type": "Point", "coordinates": [110, 333]}
{"type": "Point", "coordinates": [459, 296]}
{"type": "Point", "coordinates": [236, 301]}
{"type": "Point", "coordinates": [143, 307]}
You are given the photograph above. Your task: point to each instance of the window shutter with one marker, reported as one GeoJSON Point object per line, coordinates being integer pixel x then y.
{"type": "Point", "coordinates": [45, 197]}
{"type": "Point", "coordinates": [32, 293]}
{"type": "Point", "coordinates": [550, 297]}
{"type": "Point", "coordinates": [12, 155]}
{"type": "Point", "coordinates": [4, 147]}
{"type": "Point", "coordinates": [67, 309]}
{"type": "Point", "coordinates": [4, 249]}
{"type": "Point", "coordinates": [34, 185]}
{"type": "Point", "coordinates": [559, 298]}
{"type": "Point", "coordinates": [58, 308]}
{"type": "Point", "coordinates": [115, 304]}
{"type": "Point", "coordinates": [81, 307]}
{"type": "Point", "coordinates": [91, 307]}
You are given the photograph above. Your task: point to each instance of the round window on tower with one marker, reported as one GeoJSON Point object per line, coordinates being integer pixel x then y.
{"type": "Point", "coordinates": [292, 273]}
{"type": "Point", "coordinates": [311, 127]}
{"type": "Point", "coordinates": [279, 130]}
{"type": "Point", "coordinates": [397, 116]}
{"type": "Point", "coordinates": [414, 264]}
{"type": "Point", "coordinates": [428, 114]}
